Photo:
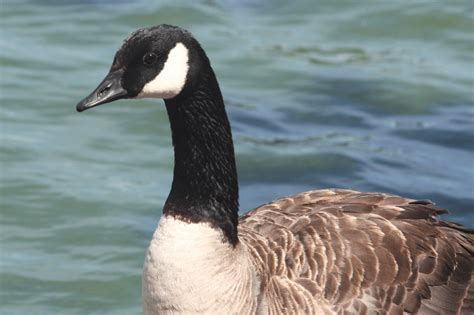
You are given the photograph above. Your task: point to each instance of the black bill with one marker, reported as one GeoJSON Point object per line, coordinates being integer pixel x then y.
{"type": "Point", "coordinates": [109, 90]}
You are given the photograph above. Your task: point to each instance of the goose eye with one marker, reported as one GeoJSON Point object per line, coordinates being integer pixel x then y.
{"type": "Point", "coordinates": [149, 58]}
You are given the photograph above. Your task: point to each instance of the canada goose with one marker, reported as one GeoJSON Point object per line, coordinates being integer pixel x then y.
{"type": "Point", "coordinates": [327, 251]}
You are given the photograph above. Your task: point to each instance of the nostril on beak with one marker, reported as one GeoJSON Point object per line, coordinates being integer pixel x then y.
{"type": "Point", "coordinates": [103, 90]}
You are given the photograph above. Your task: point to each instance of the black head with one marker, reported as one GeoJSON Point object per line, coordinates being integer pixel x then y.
{"type": "Point", "coordinates": [167, 62]}
{"type": "Point", "coordinates": [161, 61]}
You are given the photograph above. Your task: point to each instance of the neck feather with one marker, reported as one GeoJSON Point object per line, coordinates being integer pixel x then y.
{"type": "Point", "coordinates": [205, 187]}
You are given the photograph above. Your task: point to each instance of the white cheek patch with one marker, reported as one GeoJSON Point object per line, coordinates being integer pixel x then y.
{"type": "Point", "coordinates": [171, 79]}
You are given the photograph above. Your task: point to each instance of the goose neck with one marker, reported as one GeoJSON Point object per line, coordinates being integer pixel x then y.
{"type": "Point", "coordinates": [204, 187]}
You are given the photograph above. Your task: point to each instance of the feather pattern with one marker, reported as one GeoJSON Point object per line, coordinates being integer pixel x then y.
{"type": "Point", "coordinates": [340, 251]}
{"type": "Point", "coordinates": [328, 251]}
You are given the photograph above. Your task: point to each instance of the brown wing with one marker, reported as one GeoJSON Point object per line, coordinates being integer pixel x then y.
{"type": "Point", "coordinates": [347, 251]}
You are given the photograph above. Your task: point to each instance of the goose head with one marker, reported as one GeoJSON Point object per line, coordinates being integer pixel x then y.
{"type": "Point", "coordinates": [167, 62]}
{"type": "Point", "coordinates": [156, 62]}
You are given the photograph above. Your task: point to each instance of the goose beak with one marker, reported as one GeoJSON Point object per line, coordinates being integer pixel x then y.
{"type": "Point", "coordinates": [109, 90]}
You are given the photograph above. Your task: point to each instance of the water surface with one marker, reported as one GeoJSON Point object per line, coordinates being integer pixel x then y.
{"type": "Point", "coordinates": [373, 96]}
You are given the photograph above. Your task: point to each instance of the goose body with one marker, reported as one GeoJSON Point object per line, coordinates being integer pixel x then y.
{"type": "Point", "coordinates": [330, 251]}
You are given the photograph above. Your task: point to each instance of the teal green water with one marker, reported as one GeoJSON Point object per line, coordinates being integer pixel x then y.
{"type": "Point", "coordinates": [368, 95]}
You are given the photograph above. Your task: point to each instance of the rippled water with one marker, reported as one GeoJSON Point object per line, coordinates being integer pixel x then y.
{"type": "Point", "coordinates": [373, 96]}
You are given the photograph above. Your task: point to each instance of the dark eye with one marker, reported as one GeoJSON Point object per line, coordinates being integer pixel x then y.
{"type": "Point", "coordinates": [149, 58]}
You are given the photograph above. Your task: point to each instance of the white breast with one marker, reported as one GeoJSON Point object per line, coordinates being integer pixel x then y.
{"type": "Point", "coordinates": [190, 270]}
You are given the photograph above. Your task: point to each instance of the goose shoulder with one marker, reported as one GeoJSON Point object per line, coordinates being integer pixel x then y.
{"type": "Point", "coordinates": [354, 251]}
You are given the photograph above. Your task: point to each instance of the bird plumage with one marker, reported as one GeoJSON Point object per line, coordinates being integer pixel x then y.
{"type": "Point", "coordinates": [328, 251]}
{"type": "Point", "coordinates": [346, 251]}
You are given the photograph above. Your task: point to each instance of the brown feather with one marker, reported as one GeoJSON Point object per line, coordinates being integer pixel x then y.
{"type": "Point", "coordinates": [341, 251]}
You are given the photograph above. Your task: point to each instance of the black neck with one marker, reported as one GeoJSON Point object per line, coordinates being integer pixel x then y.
{"type": "Point", "coordinates": [205, 187]}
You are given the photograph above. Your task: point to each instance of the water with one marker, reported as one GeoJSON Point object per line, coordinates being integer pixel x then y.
{"type": "Point", "coordinates": [375, 96]}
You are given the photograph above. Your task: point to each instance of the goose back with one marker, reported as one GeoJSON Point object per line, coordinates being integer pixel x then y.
{"type": "Point", "coordinates": [336, 251]}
